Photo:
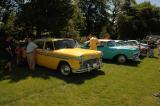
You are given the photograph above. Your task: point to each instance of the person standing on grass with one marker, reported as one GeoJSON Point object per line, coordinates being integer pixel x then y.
{"type": "Point", "coordinates": [158, 45]}
{"type": "Point", "coordinates": [8, 53]}
{"type": "Point", "coordinates": [93, 42]}
{"type": "Point", "coordinates": [151, 47]}
{"type": "Point", "coordinates": [31, 52]}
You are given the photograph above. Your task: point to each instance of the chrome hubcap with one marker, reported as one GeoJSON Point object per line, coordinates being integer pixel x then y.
{"type": "Point", "coordinates": [65, 70]}
{"type": "Point", "coordinates": [121, 59]}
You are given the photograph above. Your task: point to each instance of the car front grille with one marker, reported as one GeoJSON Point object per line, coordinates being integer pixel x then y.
{"type": "Point", "coordinates": [89, 62]}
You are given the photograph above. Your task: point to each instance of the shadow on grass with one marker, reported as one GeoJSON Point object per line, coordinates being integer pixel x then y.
{"type": "Point", "coordinates": [22, 73]}
{"type": "Point", "coordinates": [128, 63]}
{"type": "Point", "coordinates": [154, 57]}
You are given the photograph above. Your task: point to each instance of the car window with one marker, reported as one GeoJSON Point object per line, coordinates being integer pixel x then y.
{"type": "Point", "coordinates": [60, 44]}
{"type": "Point", "coordinates": [49, 45]}
{"type": "Point", "coordinates": [69, 43]}
{"type": "Point", "coordinates": [102, 44]}
{"type": "Point", "coordinates": [40, 44]}
{"type": "Point", "coordinates": [134, 43]}
{"type": "Point", "coordinates": [111, 43]}
{"type": "Point", "coordinates": [120, 43]}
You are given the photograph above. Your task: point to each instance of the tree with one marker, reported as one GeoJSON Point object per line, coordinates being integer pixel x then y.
{"type": "Point", "coordinates": [115, 10]}
{"type": "Point", "coordinates": [75, 25]}
{"type": "Point", "coordinates": [138, 20]}
{"type": "Point", "coordinates": [126, 20]}
{"type": "Point", "coordinates": [45, 16]}
{"type": "Point", "coordinates": [150, 17]}
{"type": "Point", "coordinates": [6, 7]}
{"type": "Point", "coordinates": [7, 17]}
{"type": "Point", "coordinates": [128, 7]}
{"type": "Point", "coordinates": [96, 15]}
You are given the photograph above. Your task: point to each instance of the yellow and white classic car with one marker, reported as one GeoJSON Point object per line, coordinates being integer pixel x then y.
{"type": "Point", "coordinates": [64, 55]}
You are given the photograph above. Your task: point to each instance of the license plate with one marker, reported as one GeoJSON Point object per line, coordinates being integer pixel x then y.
{"type": "Point", "coordinates": [95, 65]}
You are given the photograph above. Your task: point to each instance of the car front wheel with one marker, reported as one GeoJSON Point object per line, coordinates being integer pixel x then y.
{"type": "Point", "coordinates": [65, 69]}
{"type": "Point", "coordinates": [121, 59]}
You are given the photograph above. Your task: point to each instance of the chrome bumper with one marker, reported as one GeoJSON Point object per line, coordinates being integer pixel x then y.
{"type": "Point", "coordinates": [89, 68]}
{"type": "Point", "coordinates": [136, 57]}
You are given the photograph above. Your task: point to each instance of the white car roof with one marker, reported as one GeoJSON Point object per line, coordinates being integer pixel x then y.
{"type": "Point", "coordinates": [105, 40]}
{"type": "Point", "coordinates": [118, 40]}
{"type": "Point", "coordinates": [102, 40]}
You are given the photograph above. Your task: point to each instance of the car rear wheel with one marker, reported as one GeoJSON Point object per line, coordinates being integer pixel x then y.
{"type": "Point", "coordinates": [121, 59]}
{"type": "Point", "coordinates": [65, 69]}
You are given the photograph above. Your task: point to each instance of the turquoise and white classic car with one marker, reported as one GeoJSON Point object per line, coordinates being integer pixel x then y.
{"type": "Point", "coordinates": [113, 51]}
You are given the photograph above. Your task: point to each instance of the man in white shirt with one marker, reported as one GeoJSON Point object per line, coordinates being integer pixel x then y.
{"type": "Point", "coordinates": [31, 52]}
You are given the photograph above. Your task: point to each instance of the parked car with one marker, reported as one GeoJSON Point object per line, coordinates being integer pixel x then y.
{"type": "Point", "coordinates": [113, 51]}
{"type": "Point", "coordinates": [142, 46]}
{"type": "Point", "coordinates": [64, 56]}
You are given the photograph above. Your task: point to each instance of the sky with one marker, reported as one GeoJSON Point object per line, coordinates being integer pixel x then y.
{"type": "Point", "coordinates": [156, 2]}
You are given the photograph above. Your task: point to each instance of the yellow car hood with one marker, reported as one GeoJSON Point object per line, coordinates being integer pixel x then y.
{"type": "Point", "coordinates": [76, 52]}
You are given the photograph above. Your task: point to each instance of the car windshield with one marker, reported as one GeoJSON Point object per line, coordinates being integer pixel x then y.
{"type": "Point", "coordinates": [143, 41]}
{"type": "Point", "coordinates": [120, 43]}
{"type": "Point", "coordinates": [60, 44]}
{"type": "Point", "coordinates": [131, 43]}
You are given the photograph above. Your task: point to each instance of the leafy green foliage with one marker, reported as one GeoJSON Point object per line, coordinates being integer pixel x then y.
{"type": "Point", "coordinates": [7, 17]}
{"type": "Point", "coordinates": [72, 18]}
{"type": "Point", "coordinates": [75, 25]}
{"type": "Point", "coordinates": [138, 21]}
{"type": "Point", "coordinates": [48, 15]}
{"type": "Point", "coordinates": [96, 15]}
{"type": "Point", "coordinates": [150, 15]}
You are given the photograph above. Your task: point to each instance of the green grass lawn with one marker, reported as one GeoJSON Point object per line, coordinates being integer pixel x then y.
{"type": "Point", "coordinates": [132, 84]}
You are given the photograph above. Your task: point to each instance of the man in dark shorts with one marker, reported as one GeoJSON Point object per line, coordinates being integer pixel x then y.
{"type": "Point", "coordinates": [8, 53]}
